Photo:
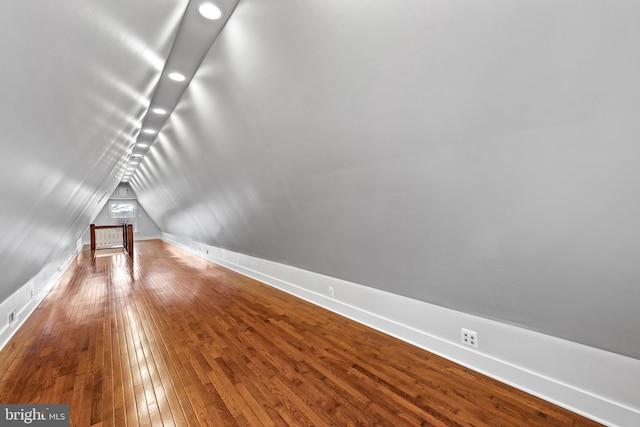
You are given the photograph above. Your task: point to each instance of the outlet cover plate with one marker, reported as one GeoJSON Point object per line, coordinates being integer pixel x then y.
{"type": "Point", "coordinates": [469, 337]}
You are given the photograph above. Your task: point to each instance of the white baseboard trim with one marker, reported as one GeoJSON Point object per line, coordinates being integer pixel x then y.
{"type": "Point", "coordinates": [600, 385]}
{"type": "Point", "coordinates": [136, 238]}
{"type": "Point", "coordinates": [31, 294]}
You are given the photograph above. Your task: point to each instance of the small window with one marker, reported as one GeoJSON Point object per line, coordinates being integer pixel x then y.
{"type": "Point", "coordinates": [123, 213]}
{"type": "Point", "coordinates": [123, 210]}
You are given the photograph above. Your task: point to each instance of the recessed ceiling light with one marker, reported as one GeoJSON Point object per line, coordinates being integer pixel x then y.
{"type": "Point", "coordinates": [159, 111]}
{"type": "Point", "coordinates": [149, 131]}
{"type": "Point", "coordinates": [177, 77]}
{"type": "Point", "coordinates": [142, 145]}
{"type": "Point", "coordinates": [209, 10]}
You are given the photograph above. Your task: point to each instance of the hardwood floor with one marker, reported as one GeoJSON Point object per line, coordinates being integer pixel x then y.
{"type": "Point", "coordinates": [175, 340]}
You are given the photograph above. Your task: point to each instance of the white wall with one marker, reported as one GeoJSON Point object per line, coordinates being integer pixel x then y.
{"type": "Point", "coordinates": [80, 73]}
{"type": "Point", "coordinates": [601, 385]}
{"type": "Point", "coordinates": [24, 300]}
{"type": "Point", "coordinates": [146, 228]}
{"type": "Point", "coordinates": [480, 156]}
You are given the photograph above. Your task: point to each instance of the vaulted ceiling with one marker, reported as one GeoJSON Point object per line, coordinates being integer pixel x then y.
{"type": "Point", "coordinates": [80, 81]}
{"type": "Point", "coordinates": [477, 155]}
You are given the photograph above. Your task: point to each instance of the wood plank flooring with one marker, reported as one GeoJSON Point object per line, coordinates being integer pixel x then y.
{"type": "Point", "coordinates": [173, 340]}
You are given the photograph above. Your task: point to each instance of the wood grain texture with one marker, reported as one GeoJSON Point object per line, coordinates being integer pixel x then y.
{"type": "Point", "coordinates": [170, 339]}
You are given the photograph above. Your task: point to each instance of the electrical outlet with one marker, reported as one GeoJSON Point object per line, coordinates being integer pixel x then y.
{"type": "Point", "coordinates": [32, 292]}
{"type": "Point", "coordinates": [469, 338]}
{"type": "Point", "coordinates": [11, 317]}
{"type": "Point", "coordinates": [207, 251]}
{"type": "Point", "coordinates": [331, 292]}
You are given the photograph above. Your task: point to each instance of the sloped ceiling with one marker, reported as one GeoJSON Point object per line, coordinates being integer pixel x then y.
{"type": "Point", "coordinates": [76, 77]}
{"type": "Point", "coordinates": [477, 155]}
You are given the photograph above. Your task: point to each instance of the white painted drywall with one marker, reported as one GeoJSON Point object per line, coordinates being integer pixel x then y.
{"type": "Point", "coordinates": [146, 228]}
{"type": "Point", "coordinates": [598, 384]}
{"type": "Point", "coordinates": [78, 75]}
{"type": "Point", "coordinates": [479, 156]}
